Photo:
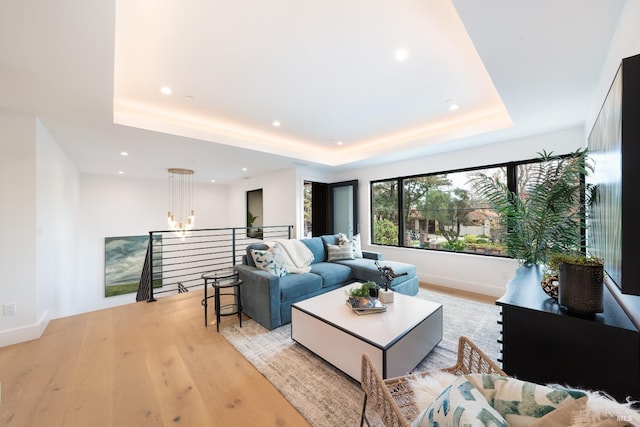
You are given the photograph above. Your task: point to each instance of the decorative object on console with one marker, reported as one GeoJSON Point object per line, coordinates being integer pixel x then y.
{"type": "Point", "coordinates": [550, 285]}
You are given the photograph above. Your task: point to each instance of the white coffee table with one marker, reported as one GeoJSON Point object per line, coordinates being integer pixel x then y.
{"type": "Point", "coordinates": [396, 340]}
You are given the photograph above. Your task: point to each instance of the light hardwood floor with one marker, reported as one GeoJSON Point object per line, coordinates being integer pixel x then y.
{"type": "Point", "coordinates": [141, 364]}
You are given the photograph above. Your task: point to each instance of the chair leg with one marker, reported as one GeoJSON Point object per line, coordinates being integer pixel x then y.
{"type": "Point", "coordinates": [363, 417]}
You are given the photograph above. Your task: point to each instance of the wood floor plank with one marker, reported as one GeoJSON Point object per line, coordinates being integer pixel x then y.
{"type": "Point", "coordinates": [174, 386]}
{"type": "Point", "coordinates": [93, 380]}
{"type": "Point", "coordinates": [44, 369]}
{"type": "Point", "coordinates": [140, 364]}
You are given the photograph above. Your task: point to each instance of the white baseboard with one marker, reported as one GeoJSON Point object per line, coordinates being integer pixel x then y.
{"type": "Point", "coordinates": [25, 333]}
{"type": "Point", "coordinates": [474, 287]}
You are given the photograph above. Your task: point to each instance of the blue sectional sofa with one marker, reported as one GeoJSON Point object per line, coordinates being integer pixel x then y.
{"type": "Point", "coordinates": [267, 298]}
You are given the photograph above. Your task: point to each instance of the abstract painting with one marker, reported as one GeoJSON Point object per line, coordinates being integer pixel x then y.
{"type": "Point", "coordinates": [123, 262]}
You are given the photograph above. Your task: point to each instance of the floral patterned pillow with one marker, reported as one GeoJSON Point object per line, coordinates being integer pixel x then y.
{"type": "Point", "coordinates": [271, 260]}
{"type": "Point", "coordinates": [521, 402]}
{"type": "Point", "coordinates": [460, 405]}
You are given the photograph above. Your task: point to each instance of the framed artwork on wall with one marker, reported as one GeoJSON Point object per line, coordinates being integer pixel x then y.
{"type": "Point", "coordinates": [124, 258]}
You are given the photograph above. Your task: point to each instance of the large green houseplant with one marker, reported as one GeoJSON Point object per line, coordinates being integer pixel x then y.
{"type": "Point", "coordinates": [548, 215]}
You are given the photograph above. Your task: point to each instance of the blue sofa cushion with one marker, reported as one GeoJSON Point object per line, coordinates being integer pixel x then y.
{"type": "Point", "coordinates": [316, 247]}
{"type": "Point", "coordinates": [332, 273]}
{"type": "Point", "coordinates": [330, 239]}
{"type": "Point", "coordinates": [255, 246]}
{"type": "Point", "coordinates": [296, 285]}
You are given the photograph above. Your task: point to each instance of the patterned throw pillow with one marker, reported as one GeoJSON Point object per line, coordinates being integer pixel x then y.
{"type": "Point", "coordinates": [460, 405]}
{"type": "Point", "coordinates": [356, 247]}
{"type": "Point", "coordinates": [271, 260]}
{"type": "Point", "coordinates": [520, 402]}
{"type": "Point", "coordinates": [338, 252]}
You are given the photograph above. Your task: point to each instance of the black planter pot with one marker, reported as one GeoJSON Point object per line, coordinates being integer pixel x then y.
{"type": "Point", "coordinates": [580, 288]}
{"type": "Point", "coordinates": [373, 293]}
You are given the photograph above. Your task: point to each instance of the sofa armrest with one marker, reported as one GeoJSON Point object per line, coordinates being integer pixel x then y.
{"type": "Point", "coordinates": [372, 255]}
{"type": "Point", "coordinates": [260, 295]}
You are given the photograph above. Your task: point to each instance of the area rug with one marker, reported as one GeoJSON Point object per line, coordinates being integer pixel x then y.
{"type": "Point", "coordinates": [327, 397]}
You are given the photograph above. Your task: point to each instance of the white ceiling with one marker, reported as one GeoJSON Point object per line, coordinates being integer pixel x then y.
{"type": "Point", "coordinates": [325, 70]}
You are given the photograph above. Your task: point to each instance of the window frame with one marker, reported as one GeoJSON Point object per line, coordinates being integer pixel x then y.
{"type": "Point", "coordinates": [512, 180]}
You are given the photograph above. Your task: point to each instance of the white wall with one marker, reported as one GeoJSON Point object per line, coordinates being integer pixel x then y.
{"type": "Point", "coordinates": [112, 206]}
{"type": "Point", "coordinates": [57, 198]}
{"type": "Point", "coordinates": [474, 273]}
{"type": "Point", "coordinates": [18, 226]}
{"type": "Point", "coordinates": [625, 43]}
{"type": "Point", "coordinates": [280, 194]}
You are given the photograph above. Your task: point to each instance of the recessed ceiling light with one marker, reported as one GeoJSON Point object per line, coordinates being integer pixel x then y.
{"type": "Point", "coordinates": [213, 180]}
{"type": "Point", "coordinates": [453, 107]}
{"type": "Point", "coordinates": [244, 169]}
{"type": "Point", "coordinates": [124, 153]}
{"type": "Point", "coordinates": [402, 54]}
{"type": "Point", "coordinates": [120, 172]}
{"type": "Point", "coordinates": [339, 142]}
{"type": "Point", "coordinates": [276, 124]}
{"type": "Point", "coordinates": [166, 90]}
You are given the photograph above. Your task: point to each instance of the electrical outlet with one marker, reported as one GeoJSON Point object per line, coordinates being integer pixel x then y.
{"type": "Point", "coordinates": [9, 309]}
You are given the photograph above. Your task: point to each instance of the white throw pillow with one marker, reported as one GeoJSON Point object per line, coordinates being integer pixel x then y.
{"type": "Point", "coordinates": [271, 260]}
{"type": "Point", "coordinates": [356, 246]}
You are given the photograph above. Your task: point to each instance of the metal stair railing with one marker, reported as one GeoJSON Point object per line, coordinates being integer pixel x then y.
{"type": "Point", "coordinates": [175, 263]}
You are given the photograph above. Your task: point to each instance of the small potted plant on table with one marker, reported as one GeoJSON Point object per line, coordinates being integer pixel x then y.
{"type": "Point", "coordinates": [366, 289]}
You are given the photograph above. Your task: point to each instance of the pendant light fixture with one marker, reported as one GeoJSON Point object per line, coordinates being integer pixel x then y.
{"type": "Point", "coordinates": [181, 215]}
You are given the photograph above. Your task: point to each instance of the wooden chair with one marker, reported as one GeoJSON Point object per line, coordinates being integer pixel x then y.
{"type": "Point", "coordinates": [393, 398]}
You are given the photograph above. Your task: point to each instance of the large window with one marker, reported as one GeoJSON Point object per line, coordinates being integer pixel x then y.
{"type": "Point", "coordinates": [441, 211]}
{"type": "Point", "coordinates": [384, 212]}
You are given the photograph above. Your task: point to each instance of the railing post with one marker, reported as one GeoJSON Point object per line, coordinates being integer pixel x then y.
{"type": "Point", "coordinates": [233, 246]}
{"type": "Point", "coordinates": [150, 261]}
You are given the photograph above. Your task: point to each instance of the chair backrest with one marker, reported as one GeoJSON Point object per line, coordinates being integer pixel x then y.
{"type": "Point", "coordinates": [378, 395]}
{"type": "Point", "coordinates": [470, 360]}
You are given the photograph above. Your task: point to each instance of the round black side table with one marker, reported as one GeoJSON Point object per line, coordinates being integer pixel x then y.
{"type": "Point", "coordinates": [221, 280]}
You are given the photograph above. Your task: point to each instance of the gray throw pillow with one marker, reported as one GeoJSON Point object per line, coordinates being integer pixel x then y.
{"type": "Point", "coordinates": [338, 252]}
